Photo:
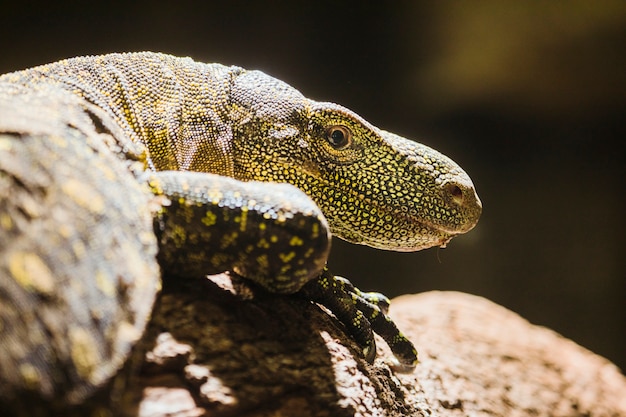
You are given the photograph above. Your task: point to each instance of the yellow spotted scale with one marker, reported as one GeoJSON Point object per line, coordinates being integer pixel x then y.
{"type": "Point", "coordinates": [233, 170]}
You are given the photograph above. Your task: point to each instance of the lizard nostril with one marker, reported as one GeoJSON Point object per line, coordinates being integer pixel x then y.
{"type": "Point", "coordinates": [455, 192]}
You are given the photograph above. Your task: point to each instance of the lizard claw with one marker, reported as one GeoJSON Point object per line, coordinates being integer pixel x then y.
{"type": "Point", "coordinates": [362, 313]}
{"type": "Point", "coordinates": [376, 298]}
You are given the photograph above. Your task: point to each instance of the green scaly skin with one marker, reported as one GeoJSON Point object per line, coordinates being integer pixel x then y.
{"type": "Point", "coordinates": [222, 146]}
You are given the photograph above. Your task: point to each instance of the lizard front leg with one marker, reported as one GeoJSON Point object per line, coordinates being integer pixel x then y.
{"type": "Point", "coordinates": [272, 234]}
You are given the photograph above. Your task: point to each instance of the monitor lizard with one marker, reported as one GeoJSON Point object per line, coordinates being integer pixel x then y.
{"type": "Point", "coordinates": [223, 169]}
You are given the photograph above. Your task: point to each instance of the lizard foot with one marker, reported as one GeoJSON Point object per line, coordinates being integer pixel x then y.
{"type": "Point", "coordinates": [362, 313]}
{"type": "Point", "coordinates": [376, 298]}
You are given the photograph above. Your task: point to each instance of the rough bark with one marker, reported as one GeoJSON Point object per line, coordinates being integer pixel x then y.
{"type": "Point", "coordinates": [221, 348]}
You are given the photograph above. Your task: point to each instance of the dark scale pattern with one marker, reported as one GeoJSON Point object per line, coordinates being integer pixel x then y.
{"type": "Point", "coordinates": [353, 180]}
{"type": "Point", "coordinates": [270, 233]}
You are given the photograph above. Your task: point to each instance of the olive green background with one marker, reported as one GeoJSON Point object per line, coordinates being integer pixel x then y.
{"type": "Point", "coordinates": [528, 97]}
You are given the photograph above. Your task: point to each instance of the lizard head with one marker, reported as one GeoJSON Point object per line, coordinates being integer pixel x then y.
{"type": "Point", "coordinates": [374, 187]}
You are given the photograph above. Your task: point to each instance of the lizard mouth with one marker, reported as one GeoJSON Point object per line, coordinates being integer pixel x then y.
{"type": "Point", "coordinates": [413, 231]}
{"type": "Point", "coordinates": [427, 238]}
{"type": "Point", "coordinates": [407, 230]}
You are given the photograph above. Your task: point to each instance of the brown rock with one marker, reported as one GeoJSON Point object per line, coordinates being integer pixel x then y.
{"type": "Point", "coordinates": [266, 355]}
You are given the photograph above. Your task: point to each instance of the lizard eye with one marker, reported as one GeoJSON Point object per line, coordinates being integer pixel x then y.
{"type": "Point", "coordinates": [339, 136]}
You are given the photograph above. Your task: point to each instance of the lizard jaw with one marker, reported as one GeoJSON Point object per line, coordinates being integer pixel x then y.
{"type": "Point", "coordinates": [422, 233]}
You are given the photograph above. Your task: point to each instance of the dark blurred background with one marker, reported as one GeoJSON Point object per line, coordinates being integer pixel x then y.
{"type": "Point", "coordinates": [528, 97]}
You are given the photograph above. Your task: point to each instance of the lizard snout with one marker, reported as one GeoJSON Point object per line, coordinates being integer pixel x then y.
{"type": "Point", "coordinates": [463, 197]}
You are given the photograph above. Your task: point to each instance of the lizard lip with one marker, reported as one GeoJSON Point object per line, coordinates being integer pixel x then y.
{"type": "Point", "coordinates": [444, 241]}
{"type": "Point", "coordinates": [462, 197]}
{"type": "Point", "coordinates": [467, 203]}
{"type": "Point", "coordinates": [426, 234]}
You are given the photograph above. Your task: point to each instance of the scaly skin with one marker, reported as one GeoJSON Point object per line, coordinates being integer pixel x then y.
{"type": "Point", "coordinates": [229, 125]}
{"type": "Point", "coordinates": [377, 188]}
